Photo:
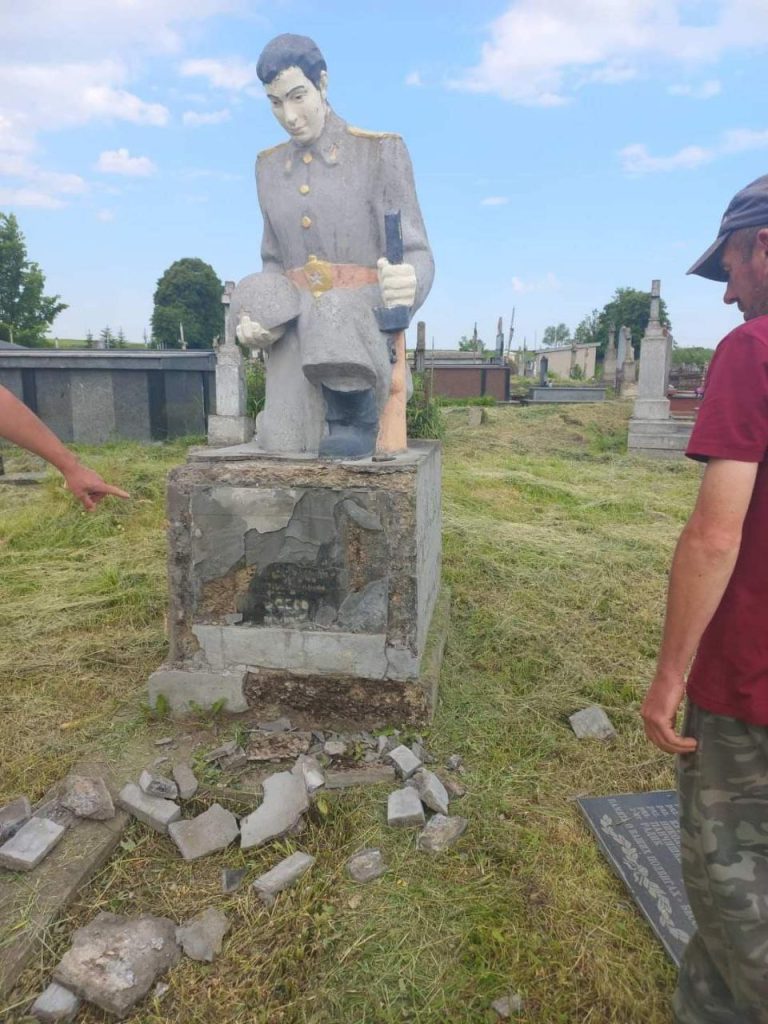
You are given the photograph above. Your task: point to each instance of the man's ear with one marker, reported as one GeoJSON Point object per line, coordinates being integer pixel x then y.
{"type": "Point", "coordinates": [323, 86]}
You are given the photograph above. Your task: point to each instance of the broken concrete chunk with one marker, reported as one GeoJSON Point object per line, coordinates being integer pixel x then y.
{"type": "Point", "coordinates": [370, 776]}
{"type": "Point", "coordinates": [404, 808]}
{"type": "Point", "coordinates": [592, 723]}
{"type": "Point", "coordinates": [87, 797]}
{"type": "Point", "coordinates": [34, 841]}
{"type": "Point", "coordinates": [404, 760]}
{"type": "Point", "coordinates": [209, 832]}
{"type": "Point", "coordinates": [114, 961]}
{"type": "Point", "coordinates": [440, 833]}
{"type": "Point", "coordinates": [335, 748]}
{"type": "Point", "coordinates": [164, 741]}
{"type": "Point", "coordinates": [365, 865]}
{"type": "Point", "coordinates": [454, 789]}
{"type": "Point", "coordinates": [282, 724]}
{"type": "Point", "coordinates": [152, 810]}
{"type": "Point", "coordinates": [13, 816]}
{"type": "Point", "coordinates": [310, 770]}
{"type": "Point", "coordinates": [185, 780]}
{"type": "Point", "coordinates": [454, 762]}
{"type": "Point", "coordinates": [384, 744]}
{"type": "Point", "coordinates": [277, 745]}
{"type": "Point", "coordinates": [56, 1004]}
{"type": "Point", "coordinates": [430, 789]}
{"type": "Point", "coordinates": [158, 785]}
{"type": "Point", "coordinates": [283, 875]}
{"type": "Point", "coordinates": [230, 763]}
{"type": "Point", "coordinates": [225, 750]}
{"type": "Point", "coordinates": [285, 800]}
{"type": "Point", "coordinates": [507, 1006]}
{"type": "Point", "coordinates": [54, 810]}
{"type": "Point", "coordinates": [232, 879]}
{"type": "Point", "coordinates": [202, 936]}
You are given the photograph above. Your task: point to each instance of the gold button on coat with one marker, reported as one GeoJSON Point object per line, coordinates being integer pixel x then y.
{"type": "Point", "coordinates": [304, 189]}
{"type": "Point", "coordinates": [307, 158]}
{"type": "Point", "coordinates": [306, 222]}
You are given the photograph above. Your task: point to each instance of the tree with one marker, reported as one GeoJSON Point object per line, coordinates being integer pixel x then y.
{"type": "Point", "coordinates": [587, 331]}
{"type": "Point", "coordinates": [89, 339]}
{"type": "Point", "coordinates": [628, 308]}
{"type": "Point", "coordinates": [554, 336]}
{"type": "Point", "coordinates": [694, 355]}
{"type": "Point", "coordinates": [106, 337]}
{"type": "Point", "coordinates": [120, 340]}
{"type": "Point", "coordinates": [188, 298]}
{"type": "Point", "coordinates": [471, 344]}
{"type": "Point", "coordinates": [25, 312]}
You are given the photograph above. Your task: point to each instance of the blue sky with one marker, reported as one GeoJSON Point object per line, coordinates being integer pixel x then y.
{"type": "Point", "coordinates": [561, 147]}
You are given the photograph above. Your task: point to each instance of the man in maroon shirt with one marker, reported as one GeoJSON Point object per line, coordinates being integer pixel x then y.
{"type": "Point", "coordinates": [717, 608]}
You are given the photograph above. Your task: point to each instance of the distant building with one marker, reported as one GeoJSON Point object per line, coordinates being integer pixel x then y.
{"type": "Point", "coordinates": [562, 360]}
{"type": "Point", "coordinates": [457, 374]}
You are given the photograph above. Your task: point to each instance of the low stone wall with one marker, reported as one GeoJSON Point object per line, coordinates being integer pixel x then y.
{"type": "Point", "coordinates": [567, 394]}
{"type": "Point", "coordinates": [94, 397]}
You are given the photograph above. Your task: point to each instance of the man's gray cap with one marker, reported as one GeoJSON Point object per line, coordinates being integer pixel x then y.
{"type": "Point", "coordinates": [269, 299]}
{"type": "Point", "coordinates": [747, 209]}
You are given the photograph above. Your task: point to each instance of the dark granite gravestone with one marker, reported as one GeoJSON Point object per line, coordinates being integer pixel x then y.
{"type": "Point", "coordinates": [640, 835]}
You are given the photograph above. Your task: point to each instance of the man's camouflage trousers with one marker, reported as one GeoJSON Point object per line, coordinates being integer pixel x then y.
{"type": "Point", "coordinates": [724, 846]}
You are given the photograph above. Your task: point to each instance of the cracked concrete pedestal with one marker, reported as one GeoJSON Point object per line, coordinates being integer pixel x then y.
{"type": "Point", "coordinates": [303, 585]}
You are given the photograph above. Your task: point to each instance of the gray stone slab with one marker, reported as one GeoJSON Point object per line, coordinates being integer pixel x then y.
{"type": "Point", "coordinates": [404, 760]}
{"type": "Point", "coordinates": [366, 865]}
{"type": "Point", "coordinates": [33, 842]}
{"type": "Point", "coordinates": [310, 770]}
{"type": "Point", "coordinates": [93, 406]}
{"type": "Point", "coordinates": [592, 723]}
{"type": "Point", "coordinates": [202, 936]}
{"type": "Point", "coordinates": [131, 405]}
{"type": "Point", "coordinates": [55, 1004]}
{"type": "Point", "coordinates": [13, 816]}
{"type": "Point", "coordinates": [232, 879]}
{"type": "Point", "coordinates": [365, 611]}
{"type": "Point", "coordinates": [285, 800]}
{"type": "Point", "coordinates": [405, 809]}
{"type": "Point", "coordinates": [88, 797]}
{"type": "Point", "coordinates": [183, 689]}
{"type": "Point", "coordinates": [185, 780]}
{"type": "Point", "coordinates": [441, 833]}
{"type": "Point", "coordinates": [371, 776]}
{"type": "Point", "coordinates": [283, 875]}
{"type": "Point", "coordinates": [114, 961]}
{"type": "Point", "coordinates": [152, 810]}
{"type": "Point", "coordinates": [185, 404]}
{"type": "Point", "coordinates": [209, 832]}
{"type": "Point", "coordinates": [54, 404]}
{"type": "Point", "coordinates": [158, 785]}
{"type": "Point", "coordinates": [431, 790]}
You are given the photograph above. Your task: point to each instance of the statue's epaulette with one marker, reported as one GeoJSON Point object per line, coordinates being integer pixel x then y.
{"type": "Point", "coordinates": [272, 149]}
{"type": "Point", "coordinates": [362, 133]}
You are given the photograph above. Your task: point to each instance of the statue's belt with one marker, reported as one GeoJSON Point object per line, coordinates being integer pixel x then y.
{"type": "Point", "coordinates": [318, 276]}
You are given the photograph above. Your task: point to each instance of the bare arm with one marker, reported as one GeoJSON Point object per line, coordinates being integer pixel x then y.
{"type": "Point", "coordinates": [19, 425]}
{"type": "Point", "coordinates": [704, 560]}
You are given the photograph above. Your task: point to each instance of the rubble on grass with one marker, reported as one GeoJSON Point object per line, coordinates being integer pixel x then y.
{"type": "Point", "coordinates": [592, 723]}
{"type": "Point", "coordinates": [366, 865]}
{"type": "Point", "coordinates": [440, 833]}
{"type": "Point", "coordinates": [202, 936]}
{"type": "Point", "coordinates": [87, 796]}
{"type": "Point", "coordinates": [282, 876]}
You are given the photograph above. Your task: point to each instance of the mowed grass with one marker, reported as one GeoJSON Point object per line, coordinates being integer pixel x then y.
{"type": "Point", "coordinates": [556, 547]}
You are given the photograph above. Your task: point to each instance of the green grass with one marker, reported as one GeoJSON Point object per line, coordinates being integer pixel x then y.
{"type": "Point", "coordinates": [556, 546]}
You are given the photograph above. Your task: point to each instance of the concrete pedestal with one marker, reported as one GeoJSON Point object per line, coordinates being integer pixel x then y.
{"type": "Point", "coordinates": [303, 585]}
{"type": "Point", "coordinates": [660, 438]}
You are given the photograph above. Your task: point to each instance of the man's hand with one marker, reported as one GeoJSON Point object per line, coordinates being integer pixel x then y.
{"type": "Point", "coordinates": [251, 334]}
{"type": "Point", "coordinates": [397, 282]}
{"type": "Point", "coordinates": [88, 487]}
{"type": "Point", "coordinates": [659, 712]}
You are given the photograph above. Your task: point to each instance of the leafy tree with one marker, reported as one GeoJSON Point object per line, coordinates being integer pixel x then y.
{"type": "Point", "coordinates": [25, 312]}
{"type": "Point", "coordinates": [89, 339]}
{"type": "Point", "coordinates": [106, 337]}
{"type": "Point", "coordinates": [188, 294]}
{"type": "Point", "coordinates": [587, 331]}
{"type": "Point", "coordinates": [628, 308]}
{"type": "Point", "coordinates": [694, 355]}
{"type": "Point", "coordinates": [120, 340]}
{"type": "Point", "coordinates": [555, 336]}
{"type": "Point", "coordinates": [471, 344]}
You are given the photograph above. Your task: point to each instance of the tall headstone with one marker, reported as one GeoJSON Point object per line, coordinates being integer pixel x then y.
{"type": "Point", "coordinates": [499, 342]}
{"type": "Point", "coordinates": [628, 367]}
{"type": "Point", "coordinates": [610, 360]}
{"type": "Point", "coordinates": [421, 346]}
{"type": "Point", "coordinates": [231, 423]}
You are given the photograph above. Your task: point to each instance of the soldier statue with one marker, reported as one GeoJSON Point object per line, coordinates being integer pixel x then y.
{"type": "Point", "coordinates": [324, 194]}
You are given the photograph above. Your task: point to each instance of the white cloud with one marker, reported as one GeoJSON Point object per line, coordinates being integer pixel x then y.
{"type": "Point", "coordinates": [414, 79]}
{"type": "Point", "coordinates": [540, 51]}
{"type": "Point", "coordinates": [548, 283]}
{"type": "Point", "coordinates": [703, 91]}
{"type": "Point", "coordinates": [29, 197]}
{"type": "Point", "coordinates": [119, 161]}
{"type": "Point", "coordinates": [636, 159]}
{"type": "Point", "coordinates": [233, 73]}
{"type": "Point", "coordinates": [196, 120]}
{"type": "Point", "coordinates": [39, 187]}
{"type": "Point", "coordinates": [494, 201]}
{"type": "Point", "coordinates": [105, 216]}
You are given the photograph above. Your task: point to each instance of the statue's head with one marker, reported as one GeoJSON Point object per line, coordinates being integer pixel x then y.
{"type": "Point", "coordinates": [295, 78]}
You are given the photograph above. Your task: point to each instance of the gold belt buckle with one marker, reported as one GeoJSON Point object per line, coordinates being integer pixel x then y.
{"type": "Point", "coordinates": [319, 275]}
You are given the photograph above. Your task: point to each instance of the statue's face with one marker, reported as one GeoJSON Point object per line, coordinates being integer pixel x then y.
{"type": "Point", "coordinates": [298, 105]}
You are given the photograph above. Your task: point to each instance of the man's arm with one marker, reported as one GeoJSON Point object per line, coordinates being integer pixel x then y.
{"type": "Point", "coordinates": [701, 568]}
{"type": "Point", "coordinates": [19, 425]}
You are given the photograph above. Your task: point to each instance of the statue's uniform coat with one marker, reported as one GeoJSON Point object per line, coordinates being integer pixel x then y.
{"type": "Point", "coordinates": [328, 200]}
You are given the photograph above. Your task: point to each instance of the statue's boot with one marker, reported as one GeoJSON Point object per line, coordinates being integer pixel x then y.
{"type": "Point", "coordinates": [353, 423]}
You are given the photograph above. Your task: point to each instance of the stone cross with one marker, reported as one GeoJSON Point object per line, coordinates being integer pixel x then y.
{"type": "Point", "coordinates": [652, 402]}
{"type": "Point", "coordinates": [421, 346]}
{"type": "Point", "coordinates": [231, 423]}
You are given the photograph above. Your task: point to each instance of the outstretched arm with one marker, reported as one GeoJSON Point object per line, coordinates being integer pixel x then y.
{"type": "Point", "coordinates": [704, 561]}
{"type": "Point", "coordinates": [19, 425]}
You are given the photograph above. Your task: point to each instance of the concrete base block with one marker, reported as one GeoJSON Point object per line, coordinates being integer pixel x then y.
{"type": "Point", "coordinates": [662, 438]}
{"type": "Point", "coordinates": [226, 430]}
{"type": "Point", "coordinates": [184, 690]}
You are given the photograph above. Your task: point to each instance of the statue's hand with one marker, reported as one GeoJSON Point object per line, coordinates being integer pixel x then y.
{"type": "Point", "coordinates": [251, 334]}
{"type": "Point", "coordinates": [397, 282]}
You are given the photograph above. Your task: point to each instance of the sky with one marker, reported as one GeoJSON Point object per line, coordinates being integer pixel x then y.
{"type": "Point", "coordinates": [561, 148]}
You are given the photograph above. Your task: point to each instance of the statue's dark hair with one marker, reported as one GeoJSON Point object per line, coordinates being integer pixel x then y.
{"type": "Point", "coordinates": [289, 51]}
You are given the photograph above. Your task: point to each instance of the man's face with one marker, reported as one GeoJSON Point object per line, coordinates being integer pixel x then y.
{"type": "Point", "coordinates": [298, 105]}
{"type": "Point", "coordinates": [747, 278]}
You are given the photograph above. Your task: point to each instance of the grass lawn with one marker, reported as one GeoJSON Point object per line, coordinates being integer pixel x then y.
{"type": "Point", "coordinates": [556, 546]}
